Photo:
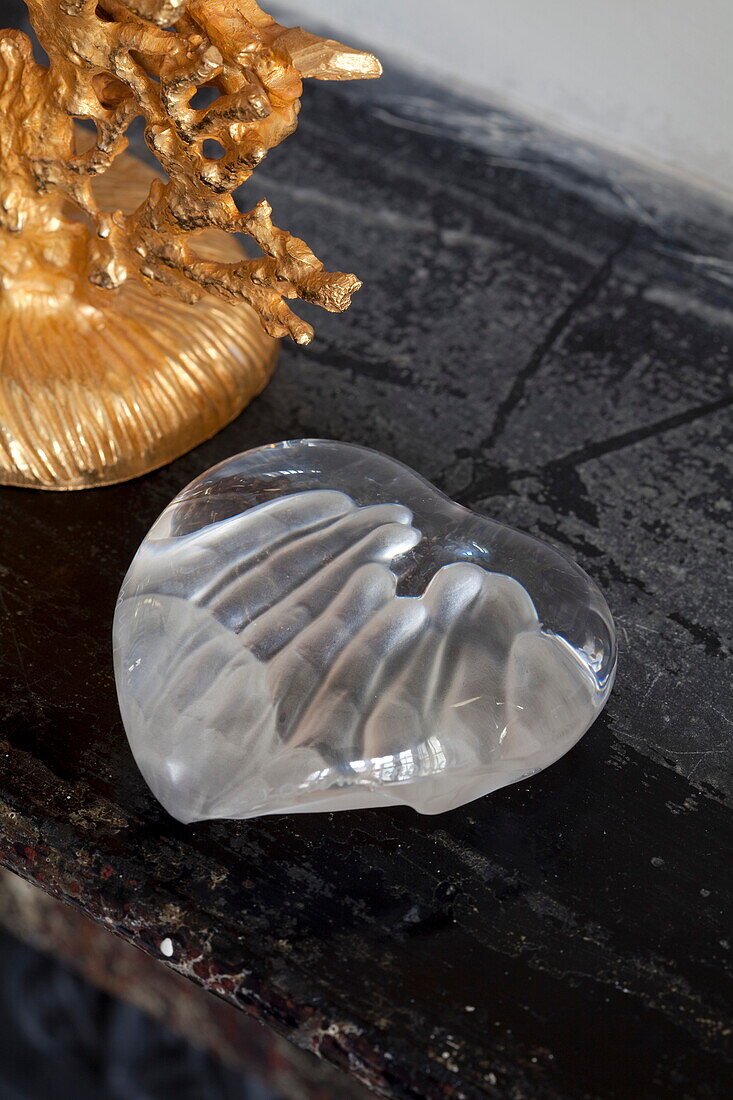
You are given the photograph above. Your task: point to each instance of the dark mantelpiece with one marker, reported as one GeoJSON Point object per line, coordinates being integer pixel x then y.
{"type": "Point", "coordinates": [546, 335]}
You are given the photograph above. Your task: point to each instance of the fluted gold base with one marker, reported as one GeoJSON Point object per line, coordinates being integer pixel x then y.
{"type": "Point", "coordinates": [101, 386]}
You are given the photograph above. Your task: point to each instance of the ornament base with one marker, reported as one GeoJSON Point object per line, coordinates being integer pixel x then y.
{"type": "Point", "coordinates": [99, 386]}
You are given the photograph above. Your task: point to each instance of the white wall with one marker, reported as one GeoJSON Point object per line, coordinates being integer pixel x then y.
{"type": "Point", "coordinates": [650, 77]}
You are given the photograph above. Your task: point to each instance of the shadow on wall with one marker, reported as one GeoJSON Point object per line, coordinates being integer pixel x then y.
{"type": "Point", "coordinates": [649, 78]}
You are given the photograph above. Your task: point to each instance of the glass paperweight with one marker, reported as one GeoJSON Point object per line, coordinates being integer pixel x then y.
{"type": "Point", "coordinates": [313, 626]}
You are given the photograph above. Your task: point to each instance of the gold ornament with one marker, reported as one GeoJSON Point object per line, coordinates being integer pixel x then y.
{"type": "Point", "coordinates": [132, 324]}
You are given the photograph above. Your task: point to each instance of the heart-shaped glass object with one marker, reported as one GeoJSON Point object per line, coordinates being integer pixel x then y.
{"type": "Point", "coordinates": [313, 626]}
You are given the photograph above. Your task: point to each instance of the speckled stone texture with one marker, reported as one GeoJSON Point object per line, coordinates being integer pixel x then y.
{"type": "Point", "coordinates": [546, 335]}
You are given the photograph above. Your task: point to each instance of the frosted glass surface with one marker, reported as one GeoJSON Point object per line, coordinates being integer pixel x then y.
{"type": "Point", "coordinates": [313, 626]}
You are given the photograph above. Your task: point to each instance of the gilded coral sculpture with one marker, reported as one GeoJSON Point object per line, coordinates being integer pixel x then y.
{"type": "Point", "coordinates": [133, 326]}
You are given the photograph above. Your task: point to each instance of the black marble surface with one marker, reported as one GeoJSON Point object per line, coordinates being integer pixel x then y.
{"type": "Point", "coordinates": [545, 333]}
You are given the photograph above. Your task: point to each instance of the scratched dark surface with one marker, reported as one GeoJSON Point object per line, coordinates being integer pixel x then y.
{"type": "Point", "coordinates": [546, 336]}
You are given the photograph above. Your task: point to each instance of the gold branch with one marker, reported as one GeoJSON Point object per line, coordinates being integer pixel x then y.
{"type": "Point", "coordinates": [114, 60]}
